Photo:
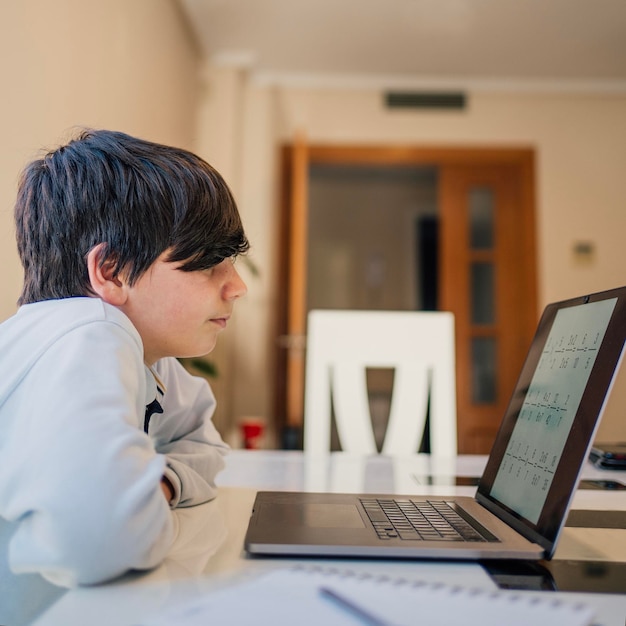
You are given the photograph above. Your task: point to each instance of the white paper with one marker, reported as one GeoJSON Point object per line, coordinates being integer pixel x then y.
{"type": "Point", "coordinates": [293, 596]}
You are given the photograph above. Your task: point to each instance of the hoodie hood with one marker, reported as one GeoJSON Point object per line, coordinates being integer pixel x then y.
{"type": "Point", "coordinates": [35, 327]}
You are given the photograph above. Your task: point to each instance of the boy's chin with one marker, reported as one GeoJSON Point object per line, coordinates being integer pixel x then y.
{"type": "Point", "coordinates": [198, 353]}
{"type": "Point", "coordinates": [195, 355]}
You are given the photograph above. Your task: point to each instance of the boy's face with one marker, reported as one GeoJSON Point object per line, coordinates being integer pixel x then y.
{"type": "Point", "coordinates": [181, 313]}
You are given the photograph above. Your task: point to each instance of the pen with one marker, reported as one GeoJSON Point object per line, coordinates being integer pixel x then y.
{"type": "Point", "coordinates": [350, 606]}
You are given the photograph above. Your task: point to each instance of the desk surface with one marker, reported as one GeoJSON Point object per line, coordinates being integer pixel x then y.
{"type": "Point", "coordinates": [208, 552]}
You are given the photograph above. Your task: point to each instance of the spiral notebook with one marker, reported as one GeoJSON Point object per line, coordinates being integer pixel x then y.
{"type": "Point", "coordinates": [310, 596]}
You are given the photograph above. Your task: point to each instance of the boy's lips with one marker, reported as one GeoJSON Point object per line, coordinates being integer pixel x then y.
{"type": "Point", "coordinates": [221, 321]}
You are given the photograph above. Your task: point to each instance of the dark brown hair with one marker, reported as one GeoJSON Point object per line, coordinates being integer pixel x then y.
{"type": "Point", "coordinates": [137, 197]}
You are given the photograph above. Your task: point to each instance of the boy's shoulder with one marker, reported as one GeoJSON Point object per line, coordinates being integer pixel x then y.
{"type": "Point", "coordinates": [66, 313]}
{"type": "Point", "coordinates": [41, 323]}
{"type": "Point", "coordinates": [30, 334]}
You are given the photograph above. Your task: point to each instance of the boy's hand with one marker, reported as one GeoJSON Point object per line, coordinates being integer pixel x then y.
{"type": "Point", "coordinates": [168, 490]}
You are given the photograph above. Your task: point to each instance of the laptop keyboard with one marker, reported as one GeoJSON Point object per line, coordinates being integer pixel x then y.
{"type": "Point", "coordinates": [432, 520]}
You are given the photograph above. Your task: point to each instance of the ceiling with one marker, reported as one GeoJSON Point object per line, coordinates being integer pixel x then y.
{"type": "Point", "coordinates": [555, 44]}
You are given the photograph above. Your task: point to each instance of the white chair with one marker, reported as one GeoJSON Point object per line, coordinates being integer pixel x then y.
{"type": "Point", "coordinates": [341, 345]}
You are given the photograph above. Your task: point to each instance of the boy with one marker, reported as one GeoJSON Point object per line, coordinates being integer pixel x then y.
{"type": "Point", "coordinates": [128, 250]}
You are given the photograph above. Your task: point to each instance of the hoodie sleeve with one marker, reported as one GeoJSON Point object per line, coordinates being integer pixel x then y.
{"type": "Point", "coordinates": [185, 434]}
{"type": "Point", "coordinates": [80, 478]}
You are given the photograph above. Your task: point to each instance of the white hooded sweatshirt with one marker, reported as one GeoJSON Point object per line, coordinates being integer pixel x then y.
{"type": "Point", "coordinates": [79, 477]}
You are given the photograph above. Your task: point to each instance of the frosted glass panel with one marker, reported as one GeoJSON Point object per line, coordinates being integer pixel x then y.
{"type": "Point", "coordinates": [483, 370]}
{"type": "Point", "coordinates": [482, 294]}
{"type": "Point", "coordinates": [481, 215]}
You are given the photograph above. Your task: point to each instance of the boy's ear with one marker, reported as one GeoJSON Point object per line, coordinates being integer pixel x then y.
{"type": "Point", "coordinates": [108, 287]}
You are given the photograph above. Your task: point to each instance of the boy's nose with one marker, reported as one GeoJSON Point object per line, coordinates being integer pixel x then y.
{"type": "Point", "coordinates": [236, 286]}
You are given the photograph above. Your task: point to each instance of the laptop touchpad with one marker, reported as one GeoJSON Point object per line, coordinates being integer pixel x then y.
{"type": "Point", "coordinates": [314, 515]}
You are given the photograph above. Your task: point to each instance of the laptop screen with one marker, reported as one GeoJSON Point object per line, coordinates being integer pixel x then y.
{"type": "Point", "coordinates": [548, 410]}
{"type": "Point", "coordinates": [549, 424]}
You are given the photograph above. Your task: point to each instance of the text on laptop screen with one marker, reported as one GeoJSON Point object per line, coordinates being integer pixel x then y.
{"type": "Point", "coordinates": [547, 413]}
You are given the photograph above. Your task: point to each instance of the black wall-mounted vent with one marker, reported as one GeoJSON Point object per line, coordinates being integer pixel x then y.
{"type": "Point", "coordinates": [425, 100]}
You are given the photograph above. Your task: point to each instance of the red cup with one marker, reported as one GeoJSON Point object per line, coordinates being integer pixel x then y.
{"type": "Point", "coordinates": [252, 433]}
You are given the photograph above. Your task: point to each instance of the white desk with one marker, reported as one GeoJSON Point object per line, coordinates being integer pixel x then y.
{"type": "Point", "coordinates": [208, 552]}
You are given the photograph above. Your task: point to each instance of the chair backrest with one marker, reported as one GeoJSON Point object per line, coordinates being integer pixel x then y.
{"type": "Point", "coordinates": [341, 345]}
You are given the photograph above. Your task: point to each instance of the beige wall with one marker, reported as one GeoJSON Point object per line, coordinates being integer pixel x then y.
{"type": "Point", "coordinates": [125, 65]}
{"type": "Point", "coordinates": [580, 143]}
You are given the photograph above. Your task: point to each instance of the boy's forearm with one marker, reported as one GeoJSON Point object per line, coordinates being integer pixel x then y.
{"type": "Point", "coordinates": [195, 474]}
{"type": "Point", "coordinates": [186, 435]}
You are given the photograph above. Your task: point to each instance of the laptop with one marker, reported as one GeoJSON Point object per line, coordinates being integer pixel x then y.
{"type": "Point", "coordinates": [531, 475]}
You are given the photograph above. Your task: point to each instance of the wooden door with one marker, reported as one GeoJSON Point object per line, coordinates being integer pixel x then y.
{"type": "Point", "coordinates": [487, 279]}
{"type": "Point", "coordinates": [492, 337]}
